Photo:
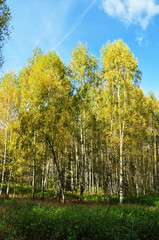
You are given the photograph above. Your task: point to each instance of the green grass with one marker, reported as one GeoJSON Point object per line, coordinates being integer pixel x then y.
{"type": "Point", "coordinates": [21, 220]}
{"type": "Point", "coordinates": [26, 192]}
{"type": "Point", "coordinates": [146, 200]}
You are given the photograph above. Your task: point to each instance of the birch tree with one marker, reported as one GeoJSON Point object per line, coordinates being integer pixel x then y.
{"type": "Point", "coordinates": [119, 66]}
{"type": "Point", "coordinates": [82, 68]}
{"type": "Point", "coordinates": [48, 89]}
{"type": "Point", "coordinates": [8, 101]}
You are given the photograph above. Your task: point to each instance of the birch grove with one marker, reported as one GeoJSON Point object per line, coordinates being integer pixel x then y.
{"type": "Point", "coordinates": [79, 128]}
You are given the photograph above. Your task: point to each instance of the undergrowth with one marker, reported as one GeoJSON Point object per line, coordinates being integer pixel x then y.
{"type": "Point", "coordinates": [29, 221]}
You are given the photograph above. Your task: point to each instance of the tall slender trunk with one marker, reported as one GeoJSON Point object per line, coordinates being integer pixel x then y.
{"type": "Point", "coordinates": [102, 164]}
{"type": "Point", "coordinates": [121, 167]}
{"type": "Point", "coordinates": [86, 165]}
{"type": "Point", "coordinates": [82, 164]}
{"type": "Point", "coordinates": [155, 159]}
{"type": "Point", "coordinates": [72, 184]}
{"type": "Point", "coordinates": [8, 184]}
{"type": "Point", "coordinates": [4, 162]}
{"type": "Point", "coordinates": [89, 176]}
{"type": "Point", "coordinates": [10, 173]}
{"type": "Point", "coordinates": [121, 128]}
{"type": "Point", "coordinates": [93, 189]}
{"type": "Point", "coordinates": [34, 159]}
{"type": "Point", "coordinates": [92, 167]}
{"type": "Point", "coordinates": [60, 174]}
{"type": "Point", "coordinates": [48, 165]}
{"type": "Point", "coordinates": [116, 176]}
{"type": "Point", "coordinates": [136, 177]}
{"type": "Point", "coordinates": [76, 164]}
{"type": "Point", "coordinates": [96, 174]}
{"type": "Point", "coordinates": [108, 174]}
{"type": "Point", "coordinates": [43, 174]}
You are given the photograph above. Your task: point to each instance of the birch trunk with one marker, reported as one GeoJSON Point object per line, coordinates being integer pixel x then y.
{"type": "Point", "coordinates": [121, 127]}
{"type": "Point", "coordinates": [43, 175]}
{"type": "Point", "coordinates": [72, 185]}
{"type": "Point", "coordinates": [60, 174]}
{"type": "Point", "coordinates": [155, 159]}
{"type": "Point", "coordinates": [34, 157]}
{"type": "Point", "coordinates": [121, 167]}
{"type": "Point", "coordinates": [4, 162]}
{"type": "Point", "coordinates": [76, 150]}
{"type": "Point", "coordinates": [89, 187]}
{"type": "Point", "coordinates": [86, 167]}
{"type": "Point", "coordinates": [47, 173]}
{"type": "Point", "coordinates": [8, 184]}
{"type": "Point", "coordinates": [82, 164]}
{"type": "Point", "coordinates": [108, 175]}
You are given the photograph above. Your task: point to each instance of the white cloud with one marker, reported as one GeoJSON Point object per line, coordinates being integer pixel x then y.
{"type": "Point", "coordinates": [132, 11]}
{"type": "Point", "coordinates": [140, 39]}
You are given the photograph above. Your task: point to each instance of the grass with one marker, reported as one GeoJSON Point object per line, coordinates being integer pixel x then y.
{"type": "Point", "coordinates": [144, 200]}
{"type": "Point", "coordinates": [26, 220]}
{"type": "Point", "coordinates": [26, 192]}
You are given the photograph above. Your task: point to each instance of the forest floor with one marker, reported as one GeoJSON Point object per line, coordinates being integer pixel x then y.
{"type": "Point", "coordinates": [85, 203]}
{"type": "Point", "coordinates": [26, 219]}
{"type": "Point", "coordinates": [92, 200]}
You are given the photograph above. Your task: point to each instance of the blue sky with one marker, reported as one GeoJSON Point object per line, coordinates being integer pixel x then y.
{"type": "Point", "coordinates": [60, 24]}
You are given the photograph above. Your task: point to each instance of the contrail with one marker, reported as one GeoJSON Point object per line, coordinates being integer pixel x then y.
{"type": "Point", "coordinates": [75, 24]}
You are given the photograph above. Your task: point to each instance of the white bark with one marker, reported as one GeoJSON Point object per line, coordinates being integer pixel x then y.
{"type": "Point", "coordinates": [76, 150]}
{"type": "Point", "coordinates": [43, 174]}
{"type": "Point", "coordinates": [4, 162]}
{"type": "Point", "coordinates": [34, 157]}
{"type": "Point", "coordinates": [82, 163]}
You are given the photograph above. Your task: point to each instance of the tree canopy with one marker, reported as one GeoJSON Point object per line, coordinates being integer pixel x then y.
{"type": "Point", "coordinates": [5, 17]}
{"type": "Point", "coordinates": [79, 127]}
